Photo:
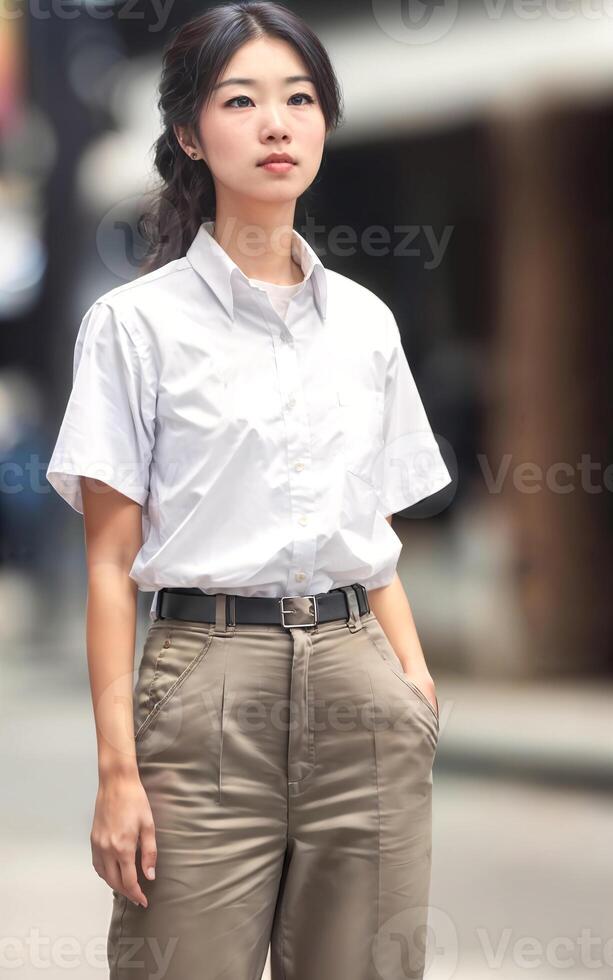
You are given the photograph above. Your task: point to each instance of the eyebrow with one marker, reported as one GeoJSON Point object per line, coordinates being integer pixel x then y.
{"type": "Point", "coordinates": [253, 81]}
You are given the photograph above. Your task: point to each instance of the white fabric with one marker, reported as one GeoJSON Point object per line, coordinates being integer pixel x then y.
{"type": "Point", "coordinates": [278, 295]}
{"type": "Point", "coordinates": [266, 455]}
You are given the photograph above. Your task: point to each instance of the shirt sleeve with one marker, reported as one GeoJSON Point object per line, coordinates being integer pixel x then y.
{"type": "Point", "coordinates": [108, 428]}
{"type": "Point", "coordinates": [412, 466]}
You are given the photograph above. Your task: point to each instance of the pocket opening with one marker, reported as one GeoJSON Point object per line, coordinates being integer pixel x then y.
{"type": "Point", "coordinates": [400, 674]}
{"type": "Point", "coordinates": [155, 706]}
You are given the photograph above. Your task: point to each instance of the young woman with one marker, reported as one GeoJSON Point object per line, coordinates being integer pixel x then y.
{"type": "Point", "coordinates": [242, 425]}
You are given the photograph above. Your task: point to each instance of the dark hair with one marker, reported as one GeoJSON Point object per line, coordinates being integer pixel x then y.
{"type": "Point", "coordinates": [192, 62]}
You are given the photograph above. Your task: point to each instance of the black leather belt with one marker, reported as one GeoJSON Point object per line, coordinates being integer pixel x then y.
{"type": "Point", "coordinates": [307, 610]}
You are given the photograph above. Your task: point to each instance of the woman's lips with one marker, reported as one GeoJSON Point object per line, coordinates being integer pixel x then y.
{"type": "Point", "coordinates": [278, 166]}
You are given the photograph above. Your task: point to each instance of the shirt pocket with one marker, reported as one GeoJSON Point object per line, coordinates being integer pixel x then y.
{"type": "Point", "coordinates": [360, 413]}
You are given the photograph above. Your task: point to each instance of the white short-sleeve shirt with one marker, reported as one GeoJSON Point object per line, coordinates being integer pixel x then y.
{"type": "Point", "coordinates": [266, 443]}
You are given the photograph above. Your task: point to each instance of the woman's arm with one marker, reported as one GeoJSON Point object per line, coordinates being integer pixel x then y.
{"type": "Point", "coordinates": [391, 607]}
{"type": "Point", "coordinates": [122, 818]}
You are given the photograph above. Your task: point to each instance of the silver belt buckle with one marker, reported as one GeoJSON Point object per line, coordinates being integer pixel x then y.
{"type": "Point", "coordinates": [305, 607]}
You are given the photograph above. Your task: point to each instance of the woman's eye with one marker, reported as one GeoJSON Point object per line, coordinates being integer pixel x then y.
{"type": "Point", "coordinates": [303, 95]}
{"type": "Point", "coordinates": [236, 98]}
{"type": "Point", "coordinates": [299, 95]}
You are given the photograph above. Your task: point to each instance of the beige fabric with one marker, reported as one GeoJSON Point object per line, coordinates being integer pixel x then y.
{"type": "Point", "coordinates": [289, 772]}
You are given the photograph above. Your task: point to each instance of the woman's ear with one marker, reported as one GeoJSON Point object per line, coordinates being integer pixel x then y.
{"type": "Point", "coordinates": [185, 139]}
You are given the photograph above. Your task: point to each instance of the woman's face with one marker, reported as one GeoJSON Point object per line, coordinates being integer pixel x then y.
{"type": "Point", "coordinates": [260, 114]}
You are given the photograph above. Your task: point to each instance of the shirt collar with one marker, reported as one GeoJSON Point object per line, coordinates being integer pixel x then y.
{"type": "Point", "coordinates": [216, 267]}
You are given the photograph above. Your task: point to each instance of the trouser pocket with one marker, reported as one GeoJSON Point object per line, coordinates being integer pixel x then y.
{"type": "Point", "coordinates": [172, 651]}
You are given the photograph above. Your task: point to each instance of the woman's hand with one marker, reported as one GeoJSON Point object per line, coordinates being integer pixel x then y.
{"type": "Point", "coordinates": [122, 821]}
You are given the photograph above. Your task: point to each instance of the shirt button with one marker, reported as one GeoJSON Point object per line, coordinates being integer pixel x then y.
{"type": "Point", "coordinates": [298, 467]}
{"type": "Point", "coordinates": [302, 519]}
{"type": "Point", "coordinates": [166, 643]}
{"type": "Point", "coordinates": [291, 403]}
{"type": "Point", "coordinates": [299, 576]}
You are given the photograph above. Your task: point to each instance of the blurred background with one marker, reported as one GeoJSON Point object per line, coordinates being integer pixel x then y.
{"type": "Point", "coordinates": [478, 139]}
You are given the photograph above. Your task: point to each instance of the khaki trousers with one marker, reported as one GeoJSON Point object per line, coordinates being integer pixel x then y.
{"type": "Point", "coordinates": [289, 772]}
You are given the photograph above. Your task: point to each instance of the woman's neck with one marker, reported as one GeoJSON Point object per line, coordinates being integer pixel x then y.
{"type": "Point", "coordinates": [265, 255]}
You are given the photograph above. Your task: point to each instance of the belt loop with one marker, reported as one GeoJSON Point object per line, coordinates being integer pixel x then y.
{"type": "Point", "coordinates": [224, 624]}
{"type": "Point", "coordinates": [354, 621]}
{"type": "Point", "coordinates": [365, 597]}
{"type": "Point", "coordinates": [158, 604]}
